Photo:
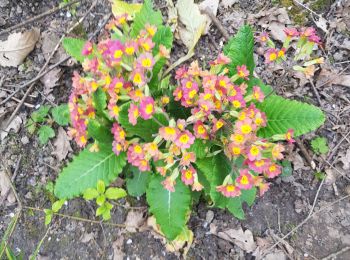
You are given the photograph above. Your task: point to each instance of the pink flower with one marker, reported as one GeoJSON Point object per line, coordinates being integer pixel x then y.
{"type": "Point", "coordinates": [187, 175]}
{"type": "Point", "coordinates": [308, 31]}
{"type": "Point", "coordinates": [181, 72]}
{"type": "Point", "coordinates": [146, 44]}
{"type": "Point", "coordinates": [273, 170]}
{"type": "Point", "coordinates": [113, 108]}
{"type": "Point", "coordinates": [116, 50]}
{"type": "Point", "coordinates": [222, 59]}
{"type": "Point", "coordinates": [135, 153]}
{"type": "Point", "coordinates": [229, 190]}
{"type": "Point", "coordinates": [169, 184]}
{"type": "Point", "coordinates": [243, 72]}
{"type": "Point", "coordinates": [217, 124]}
{"type": "Point", "coordinates": [258, 166]}
{"type": "Point", "coordinates": [263, 187]}
{"type": "Point", "coordinates": [146, 61]}
{"type": "Point", "coordinates": [291, 32]}
{"type": "Point", "coordinates": [245, 180]}
{"type": "Point", "coordinates": [147, 108]}
{"type": "Point", "coordinates": [133, 114]}
{"type": "Point", "coordinates": [178, 93]}
{"type": "Point", "coordinates": [258, 94]}
{"type": "Point", "coordinates": [315, 39]}
{"type": "Point", "coordinates": [118, 132]}
{"type": "Point", "coordinates": [196, 186]}
{"type": "Point", "coordinates": [168, 133]}
{"type": "Point", "coordinates": [277, 151]}
{"type": "Point", "coordinates": [289, 136]}
{"type": "Point", "coordinates": [130, 47]}
{"type": "Point", "coordinates": [117, 147]}
{"type": "Point", "coordinates": [263, 37]}
{"type": "Point", "coordinates": [271, 55]}
{"type": "Point", "coordinates": [138, 77]}
{"type": "Point", "coordinates": [254, 153]}
{"type": "Point", "coordinates": [184, 139]}
{"type": "Point", "coordinates": [200, 131]}
{"type": "Point", "coordinates": [87, 49]}
{"type": "Point", "coordinates": [187, 158]}
{"type": "Point", "coordinates": [115, 86]}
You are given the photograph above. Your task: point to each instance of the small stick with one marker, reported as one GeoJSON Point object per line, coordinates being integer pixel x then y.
{"type": "Point", "coordinates": [38, 17]}
{"type": "Point", "coordinates": [305, 153]}
{"type": "Point", "coordinates": [12, 179]}
{"type": "Point", "coordinates": [334, 255]}
{"type": "Point", "coordinates": [316, 197]}
{"type": "Point", "coordinates": [316, 92]}
{"type": "Point", "coordinates": [216, 21]}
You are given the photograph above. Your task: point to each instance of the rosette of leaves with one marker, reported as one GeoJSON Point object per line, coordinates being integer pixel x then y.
{"type": "Point", "coordinates": [172, 209]}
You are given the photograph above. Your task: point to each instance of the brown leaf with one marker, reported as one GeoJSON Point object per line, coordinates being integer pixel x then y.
{"type": "Point", "coordinates": [16, 48]}
{"type": "Point", "coordinates": [329, 78]}
{"type": "Point", "coordinates": [62, 145]}
{"type": "Point", "coordinates": [50, 79]}
{"type": "Point", "coordinates": [49, 42]}
{"type": "Point", "coordinates": [243, 239]}
{"type": "Point", "coordinates": [345, 159]}
{"type": "Point", "coordinates": [14, 125]}
{"type": "Point", "coordinates": [212, 5]}
{"type": "Point", "coordinates": [134, 219]}
{"type": "Point", "coordinates": [4, 188]}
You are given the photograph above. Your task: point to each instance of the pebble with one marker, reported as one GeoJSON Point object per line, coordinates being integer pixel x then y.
{"type": "Point", "coordinates": [2, 21]}
{"type": "Point", "coordinates": [209, 217]}
{"type": "Point", "coordinates": [25, 140]}
{"type": "Point", "coordinates": [19, 9]}
{"type": "Point", "coordinates": [129, 241]}
{"type": "Point", "coordinates": [4, 3]}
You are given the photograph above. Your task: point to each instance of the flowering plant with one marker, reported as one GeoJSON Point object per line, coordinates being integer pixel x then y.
{"type": "Point", "coordinates": [213, 133]}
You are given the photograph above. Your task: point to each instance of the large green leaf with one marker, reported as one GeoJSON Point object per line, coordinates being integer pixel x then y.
{"type": "Point", "coordinates": [137, 185]}
{"type": "Point", "coordinates": [169, 208]}
{"type": "Point", "coordinates": [86, 169]}
{"type": "Point", "coordinates": [163, 36]}
{"type": "Point", "coordinates": [144, 128]}
{"type": "Point", "coordinates": [240, 50]}
{"type": "Point", "coordinates": [283, 114]}
{"type": "Point", "coordinates": [146, 16]}
{"type": "Point", "coordinates": [74, 47]}
{"type": "Point", "coordinates": [99, 132]}
{"type": "Point", "coordinates": [200, 148]}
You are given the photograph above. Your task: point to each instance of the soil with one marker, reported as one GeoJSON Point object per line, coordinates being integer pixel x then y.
{"type": "Point", "coordinates": [279, 211]}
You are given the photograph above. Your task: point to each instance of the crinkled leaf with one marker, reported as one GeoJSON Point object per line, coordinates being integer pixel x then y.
{"type": "Point", "coordinates": [240, 50]}
{"type": "Point", "coordinates": [61, 114]}
{"type": "Point", "coordinates": [319, 145]}
{"type": "Point", "coordinates": [39, 116]}
{"type": "Point", "coordinates": [57, 205]}
{"type": "Point", "coordinates": [169, 208]}
{"type": "Point", "coordinates": [200, 148]}
{"type": "Point", "coordinates": [283, 114]}
{"type": "Point", "coordinates": [120, 7]}
{"type": "Point", "coordinates": [115, 193]}
{"type": "Point", "coordinates": [137, 185]}
{"type": "Point", "coordinates": [146, 16]}
{"type": "Point", "coordinates": [45, 133]}
{"type": "Point", "coordinates": [86, 169]}
{"type": "Point", "coordinates": [74, 47]}
{"type": "Point", "coordinates": [144, 128]}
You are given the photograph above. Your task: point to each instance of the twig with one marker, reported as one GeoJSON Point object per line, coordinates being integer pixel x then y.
{"type": "Point", "coordinates": [316, 92]}
{"type": "Point", "coordinates": [305, 153]}
{"type": "Point", "coordinates": [45, 65]}
{"type": "Point", "coordinates": [217, 23]}
{"type": "Point", "coordinates": [304, 221]}
{"type": "Point", "coordinates": [316, 197]}
{"type": "Point", "coordinates": [13, 189]}
{"type": "Point", "coordinates": [334, 255]}
{"type": "Point", "coordinates": [35, 253]}
{"type": "Point", "coordinates": [12, 179]}
{"type": "Point", "coordinates": [38, 17]}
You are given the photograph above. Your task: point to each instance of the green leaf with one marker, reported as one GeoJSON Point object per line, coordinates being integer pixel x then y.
{"type": "Point", "coordinates": [106, 215]}
{"type": "Point", "coordinates": [266, 89]}
{"type": "Point", "coordinates": [144, 128]}
{"type": "Point", "coordinates": [31, 126]}
{"type": "Point", "coordinates": [200, 148]}
{"type": "Point", "coordinates": [163, 36]}
{"type": "Point", "coordinates": [101, 187]}
{"type": "Point", "coordinates": [319, 145]}
{"type": "Point", "coordinates": [146, 16]}
{"type": "Point", "coordinates": [74, 47]}
{"type": "Point", "coordinates": [61, 114]}
{"type": "Point", "coordinates": [234, 205]}
{"type": "Point", "coordinates": [240, 50]}
{"type": "Point", "coordinates": [39, 116]}
{"type": "Point", "coordinates": [99, 132]}
{"type": "Point", "coordinates": [120, 7]}
{"type": "Point", "coordinates": [215, 169]}
{"type": "Point", "coordinates": [137, 185]}
{"type": "Point", "coordinates": [169, 208]}
{"type": "Point", "coordinates": [248, 196]}
{"type": "Point", "coordinates": [115, 193]}
{"type": "Point", "coordinates": [287, 169]}
{"type": "Point", "coordinates": [100, 100]}
{"type": "Point", "coordinates": [86, 169]}
{"type": "Point", "coordinates": [100, 210]}
{"type": "Point", "coordinates": [156, 78]}
{"type": "Point", "coordinates": [90, 194]}
{"type": "Point", "coordinates": [48, 216]}
{"type": "Point", "coordinates": [57, 205]}
{"type": "Point", "coordinates": [283, 114]}
{"type": "Point", "coordinates": [45, 133]}
{"type": "Point", "coordinates": [100, 199]}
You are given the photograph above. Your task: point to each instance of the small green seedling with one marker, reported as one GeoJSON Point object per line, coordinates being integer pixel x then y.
{"type": "Point", "coordinates": [101, 195]}
{"type": "Point", "coordinates": [56, 206]}
{"type": "Point", "coordinates": [319, 145]}
{"type": "Point", "coordinates": [320, 175]}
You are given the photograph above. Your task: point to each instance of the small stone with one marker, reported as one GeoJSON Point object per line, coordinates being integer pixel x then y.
{"type": "Point", "coordinates": [4, 3]}
{"type": "Point", "coordinates": [29, 195]}
{"type": "Point", "coordinates": [129, 241]}
{"type": "Point", "coordinates": [209, 216]}
{"type": "Point", "coordinates": [25, 140]}
{"type": "Point", "coordinates": [2, 21]}
{"type": "Point", "coordinates": [19, 9]}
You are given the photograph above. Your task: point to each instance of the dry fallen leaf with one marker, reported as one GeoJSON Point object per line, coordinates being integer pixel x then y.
{"type": "Point", "coordinates": [4, 188]}
{"type": "Point", "coordinates": [16, 48]}
{"type": "Point", "coordinates": [329, 78]}
{"type": "Point", "coordinates": [117, 246]}
{"type": "Point", "coordinates": [212, 5]}
{"type": "Point", "coordinates": [14, 125]}
{"type": "Point", "coordinates": [62, 145]}
{"type": "Point", "coordinates": [345, 159]}
{"type": "Point", "coordinates": [322, 24]}
{"type": "Point", "coordinates": [243, 239]}
{"type": "Point", "coordinates": [134, 219]}
{"type": "Point", "coordinates": [50, 79]}
{"type": "Point", "coordinates": [49, 42]}
{"type": "Point", "coordinates": [193, 23]}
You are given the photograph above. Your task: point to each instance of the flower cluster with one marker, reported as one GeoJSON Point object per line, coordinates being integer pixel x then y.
{"type": "Point", "coordinates": [223, 111]}
{"type": "Point", "coordinates": [306, 40]}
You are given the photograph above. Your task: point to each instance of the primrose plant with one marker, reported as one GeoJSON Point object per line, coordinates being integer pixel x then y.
{"type": "Point", "coordinates": [218, 133]}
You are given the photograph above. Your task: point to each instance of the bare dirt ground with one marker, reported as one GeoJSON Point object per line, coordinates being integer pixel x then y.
{"type": "Point", "coordinates": [281, 216]}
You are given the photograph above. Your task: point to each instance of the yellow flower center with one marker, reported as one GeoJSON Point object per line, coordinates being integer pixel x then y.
{"type": "Point", "coordinates": [230, 188]}
{"type": "Point", "coordinates": [254, 150]}
{"type": "Point", "coordinates": [146, 63]}
{"type": "Point", "coordinates": [244, 180]}
{"type": "Point", "coordinates": [201, 129]}
{"type": "Point", "coordinates": [236, 104]}
{"type": "Point", "coordinates": [188, 174]}
{"type": "Point", "coordinates": [149, 109]}
{"type": "Point", "coordinates": [170, 130]}
{"type": "Point", "coordinates": [184, 138]}
{"type": "Point", "coordinates": [137, 78]}
{"type": "Point", "coordinates": [273, 56]}
{"type": "Point", "coordinates": [116, 110]}
{"type": "Point", "coordinates": [130, 50]}
{"type": "Point", "coordinates": [138, 149]}
{"type": "Point", "coordinates": [117, 54]}
{"type": "Point", "coordinates": [246, 129]}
